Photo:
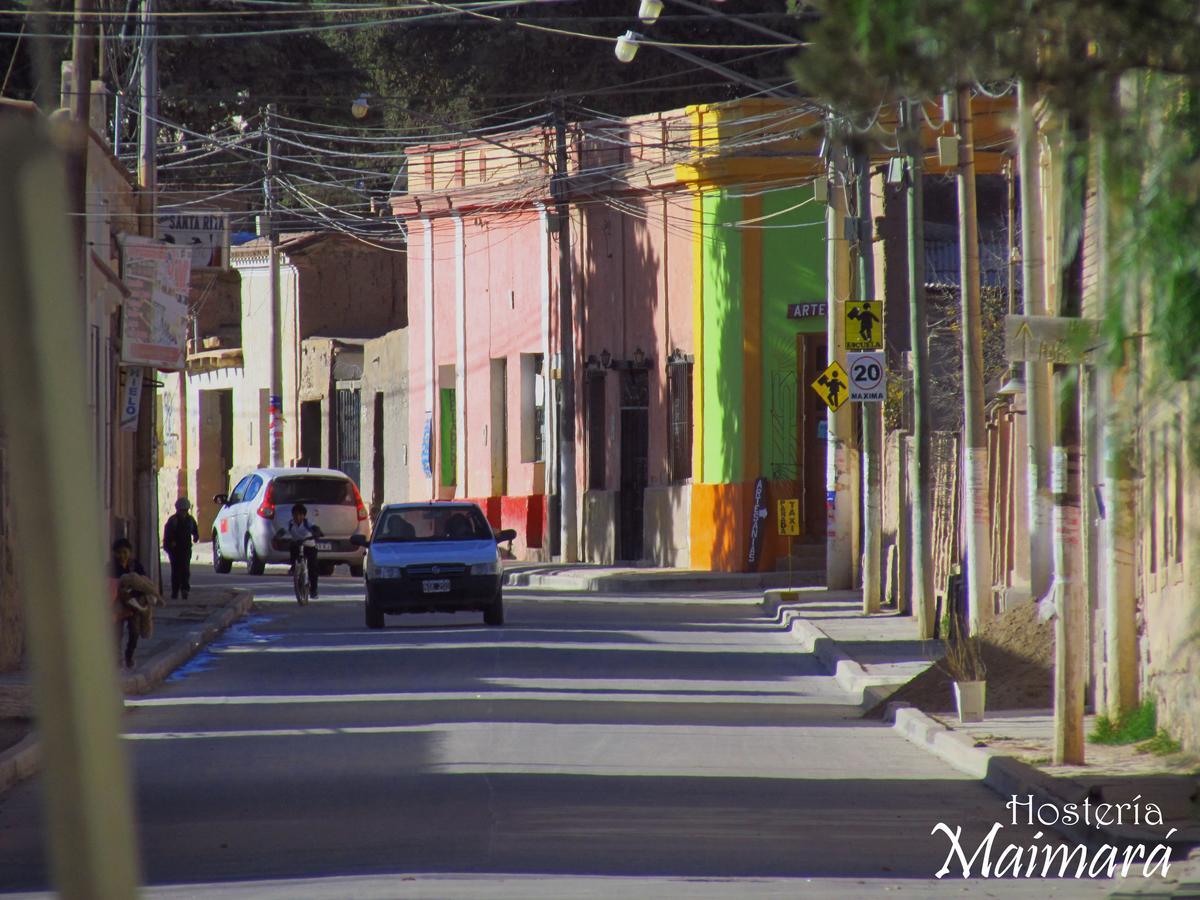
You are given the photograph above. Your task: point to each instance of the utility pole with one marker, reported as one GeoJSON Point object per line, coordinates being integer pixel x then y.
{"type": "Point", "coordinates": [872, 423]}
{"type": "Point", "coordinates": [841, 456]}
{"type": "Point", "coordinates": [1120, 524]}
{"type": "Point", "coordinates": [918, 330]}
{"type": "Point", "coordinates": [975, 458]}
{"type": "Point", "coordinates": [275, 398]}
{"type": "Point", "coordinates": [1038, 409]}
{"type": "Point", "coordinates": [1066, 476]}
{"type": "Point", "coordinates": [566, 343]}
{"type": "Point", "coordinates": [146, 482]}
{"type": "Point", "coordinates": [90, 839]}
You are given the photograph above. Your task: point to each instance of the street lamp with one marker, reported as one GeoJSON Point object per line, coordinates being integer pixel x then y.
{"type": "Point", "coordinates": [360, 107]}
{"type": "Point", "coordinates": [649, 11]}
{"type": "Point", "coordinates": [627, 47]}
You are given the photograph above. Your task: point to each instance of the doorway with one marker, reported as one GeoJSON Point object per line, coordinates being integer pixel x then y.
{"type": "Point", "coordinates": [378, 469]}
{"type": "Point", "coordinates": [310, 433]}
{"type": "Point", "coordinates": [499, 429]}
{"type": "Point", "coordinates": [635, 452]}
{"type": "Point", "coordinates": [811, 424]}
{"type": "Point", "coordinates": [348, 421]}
{"type": "Point", "coordinates": [215, 454]}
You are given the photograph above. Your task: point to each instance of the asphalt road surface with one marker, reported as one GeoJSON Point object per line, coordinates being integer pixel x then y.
{"type": "Point", "coordinates": [629, 747]}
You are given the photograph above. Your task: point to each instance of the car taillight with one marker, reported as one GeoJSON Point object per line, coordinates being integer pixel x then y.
{"type": "Point", "coordinates": [267, 508]}
{"type": "Point", "coordinates": [362, 510]}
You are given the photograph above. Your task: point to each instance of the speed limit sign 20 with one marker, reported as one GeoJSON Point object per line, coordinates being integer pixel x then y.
{"type": "Point", "coordinates": [868, 380]}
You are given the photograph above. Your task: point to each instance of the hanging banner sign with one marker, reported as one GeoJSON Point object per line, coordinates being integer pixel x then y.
{"type": "Point", "coordinates": [864, 325]}
{"type": "Point", "coordinates": [757, 514]}
{"type": "Point", "coordinates": [205, 235]}
{"type": "Point", "coordinates": [868, 381]}
{"type": "Point", "coordinates": [131, 399]}
{"type": "Point", "coordinates": [154, 315]}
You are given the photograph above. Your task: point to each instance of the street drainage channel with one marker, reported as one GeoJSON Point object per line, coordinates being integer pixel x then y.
{"type": "Point", "coordinates": [240, 633]}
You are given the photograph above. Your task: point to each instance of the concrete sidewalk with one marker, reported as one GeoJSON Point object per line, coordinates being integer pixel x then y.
{"type": "Point", "coordinates": [871, 655]}
{"type": "Point", "coordinates": [599, 579]}
{"type": "Point", "coordinates": [181, 629]}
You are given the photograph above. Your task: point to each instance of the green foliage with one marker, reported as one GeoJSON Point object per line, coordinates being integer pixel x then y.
{"type": "Point", "coordinates": [1162, 744]}
{"type": "Point", "coordinates": [1135, 725]}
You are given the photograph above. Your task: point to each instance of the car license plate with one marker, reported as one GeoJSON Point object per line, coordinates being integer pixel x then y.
{"type": "Point", "coordinates": [324, 545]}
{"type": "Point", "coordinates": [436, 586]}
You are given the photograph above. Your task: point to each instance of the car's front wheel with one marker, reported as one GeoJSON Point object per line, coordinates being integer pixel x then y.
{"type": "Point", "coordinates": [374, 615]}
{"type": "Point", "coordinates": [254, 562]}
{"type": "Point", "coordinates": [494, 614]}
{"type": "Point", "coordinates": [221, 565]}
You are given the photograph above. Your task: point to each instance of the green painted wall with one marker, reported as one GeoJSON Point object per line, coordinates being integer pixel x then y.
{"type": "Point", "coordinates": [723, 347]}
{"type": "Point", "coordinates": [448, 437]}
{"type": "Point", "coordinates": [793, 272]}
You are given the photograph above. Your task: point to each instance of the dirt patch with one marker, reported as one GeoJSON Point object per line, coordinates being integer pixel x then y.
{"type": "Point", "coordinates": [1018, 653]}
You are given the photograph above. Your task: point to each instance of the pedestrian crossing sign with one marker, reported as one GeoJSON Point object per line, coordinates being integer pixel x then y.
{"type": "Point", "coordinates": [864, 325]}
{"type": "Point", "coordinates": [789, 517]}
{"type": "Point", "coordinates": [833, 385]}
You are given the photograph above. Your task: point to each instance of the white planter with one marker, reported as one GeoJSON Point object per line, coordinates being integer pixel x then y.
{"type": "Point", "coordinates": [969, 698]}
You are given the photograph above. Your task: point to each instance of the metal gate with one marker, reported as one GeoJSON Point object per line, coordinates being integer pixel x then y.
{"type": "Point", "coordinates": [347, 419]}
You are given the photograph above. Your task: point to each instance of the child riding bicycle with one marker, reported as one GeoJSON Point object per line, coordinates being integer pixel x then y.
{"type": "Point", "coordinates": [297, 532]}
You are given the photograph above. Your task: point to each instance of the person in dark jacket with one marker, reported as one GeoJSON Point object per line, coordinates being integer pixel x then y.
{"type": "Point", "coordinates": [179, 534]}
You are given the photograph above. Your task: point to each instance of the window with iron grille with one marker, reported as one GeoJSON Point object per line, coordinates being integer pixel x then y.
{"type": "Point", "coordinates": [679, 430]}
{"type": "Point", "coordinates": [533, 407]}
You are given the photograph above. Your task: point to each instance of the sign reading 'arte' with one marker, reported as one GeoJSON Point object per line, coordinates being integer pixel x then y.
{"type": "Point", "coordinates": [807, 310]}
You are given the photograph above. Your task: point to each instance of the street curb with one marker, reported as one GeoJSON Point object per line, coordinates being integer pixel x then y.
{"type": "Point", "coordinates": [1010, 777]}
{"type": "Point", "coordinates": [23, 759]}
{"type": "Point", "coordinates": [655, 583]}
{"type": "Point", "coordinates": [155, 670]}
{"type": "Point", "coordinates": [848, 673]}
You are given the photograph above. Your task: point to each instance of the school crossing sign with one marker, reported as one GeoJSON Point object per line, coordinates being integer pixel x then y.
{"type": "Point", "coordinates": [864, 325]}
{"type": "Point", "coordinates": [832, 386]}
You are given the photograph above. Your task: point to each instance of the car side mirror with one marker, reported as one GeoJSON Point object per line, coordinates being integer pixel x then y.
{"type": "Point", "coordinates": [359, 540]}
{"type": "Point", "coordinates": [508, 534]}
{"type": "Point", "coordinates": [221, 499]}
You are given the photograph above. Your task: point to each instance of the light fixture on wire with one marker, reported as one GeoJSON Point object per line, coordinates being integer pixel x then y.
{"type": "Point", "coordinates": [627, 46]}
{"type": "Point", "coordinates": [649, 11]}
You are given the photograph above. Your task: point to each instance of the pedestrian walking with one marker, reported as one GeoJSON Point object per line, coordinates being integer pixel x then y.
{"type": "Point", "coordinates": [179, 534]}
{"type": "Point", "coordinates": [133, 598]}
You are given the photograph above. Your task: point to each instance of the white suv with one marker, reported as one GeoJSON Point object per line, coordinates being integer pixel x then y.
{"type": "Point", "coordinates": [261, 503]}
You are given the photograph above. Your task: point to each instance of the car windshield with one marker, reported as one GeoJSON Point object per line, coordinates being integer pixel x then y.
{"type": "Point", "coordinates": [432, 523]}
{"type": "Point", "coordinates": [324, 491]}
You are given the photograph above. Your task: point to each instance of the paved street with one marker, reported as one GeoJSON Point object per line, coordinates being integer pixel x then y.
{"type": "Point", "coordinates": [662, 740]}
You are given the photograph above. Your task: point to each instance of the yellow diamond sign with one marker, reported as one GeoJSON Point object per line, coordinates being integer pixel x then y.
{"type": "Point", "coordinates": [833, 386]}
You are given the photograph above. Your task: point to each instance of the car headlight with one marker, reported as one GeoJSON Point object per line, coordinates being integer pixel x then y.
{"type": "Point", "coordinates": [487, 568]}
{"type": "Point", "coordinates": [388, 572]}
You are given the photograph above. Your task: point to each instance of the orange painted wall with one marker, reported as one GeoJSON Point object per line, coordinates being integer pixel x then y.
{"type": "Point", "coordinates": [720, 526]}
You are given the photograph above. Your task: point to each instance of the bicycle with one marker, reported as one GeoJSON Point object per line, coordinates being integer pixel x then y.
{"type": "Point", "coordinates": [300, 582]}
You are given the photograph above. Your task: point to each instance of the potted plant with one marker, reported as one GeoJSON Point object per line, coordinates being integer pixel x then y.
{"type": "Point", "coordinates": [964, 663]}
